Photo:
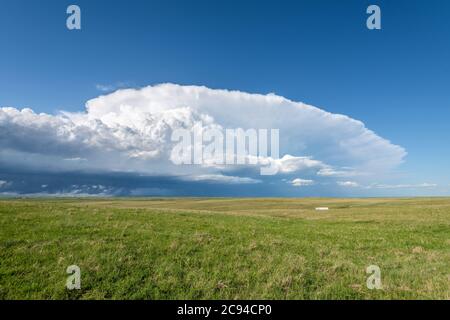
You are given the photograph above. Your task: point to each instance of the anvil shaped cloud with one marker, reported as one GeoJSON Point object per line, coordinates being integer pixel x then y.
{"type": "Point", "coordinates": [130, 130]}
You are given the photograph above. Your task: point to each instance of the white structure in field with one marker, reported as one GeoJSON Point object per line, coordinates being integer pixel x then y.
{"type": "Point", "coordinates": [322, 209]}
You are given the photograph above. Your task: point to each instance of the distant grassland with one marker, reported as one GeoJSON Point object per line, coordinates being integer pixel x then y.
{"type": "Point", "coordinates": [225, 248]}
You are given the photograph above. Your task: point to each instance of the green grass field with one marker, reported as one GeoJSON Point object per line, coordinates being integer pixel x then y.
{"type": "Point", "coordinates": [225, 248]}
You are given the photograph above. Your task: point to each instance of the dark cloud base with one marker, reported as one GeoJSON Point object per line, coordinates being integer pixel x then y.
{"type": "Point", "coordinates": [120, 184]}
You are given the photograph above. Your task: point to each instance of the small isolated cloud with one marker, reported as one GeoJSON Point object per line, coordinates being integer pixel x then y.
{"type": "Point", "coordinates": [328, 171]}
{"type": "Point", "coordinates": [103, 87]}
{"type": "Point", "coordinates": [351, 184]}
{"type": "Point", "coordinates": [301, 182]}
{"type": "Point", "coordinates": [111, 87]}
{"type": "Point", "coordinates": [3, 183]}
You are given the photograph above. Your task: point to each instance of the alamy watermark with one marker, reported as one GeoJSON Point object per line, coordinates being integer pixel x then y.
{"type": "Point", "coordinates": [374, 280]}
{"type": "Point", "coordinates": [374, 20]}
{"type": "Point", "coordinates": [74, 280]}
{"type": "Point", "coordinates": [216, 147]}
{"type": "Point", "coordinates": [73, 21]}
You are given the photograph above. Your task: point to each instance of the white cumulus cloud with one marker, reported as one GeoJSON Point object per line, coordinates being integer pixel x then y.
{"type": "Point", "coordinates": [301, 182]}
{"type": "Point", "coordinates": [352, 184]}
{"type": "Point", "coordinates": [130, 130]}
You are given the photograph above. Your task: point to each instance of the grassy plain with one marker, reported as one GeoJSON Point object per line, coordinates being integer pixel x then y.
{"type": "Point", "coordinates": [202, 248]}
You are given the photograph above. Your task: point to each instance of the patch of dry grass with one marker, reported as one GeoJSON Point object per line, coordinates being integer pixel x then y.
{"type": "Point", "coordinates": [201, 248]}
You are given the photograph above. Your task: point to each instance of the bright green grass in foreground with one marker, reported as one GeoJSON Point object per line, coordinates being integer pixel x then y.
{"type": "Point", "coordinates": [224, 248]}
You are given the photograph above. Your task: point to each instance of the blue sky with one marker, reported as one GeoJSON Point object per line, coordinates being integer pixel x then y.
{"type": "Point", "coordinates": [394, 80]}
